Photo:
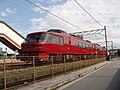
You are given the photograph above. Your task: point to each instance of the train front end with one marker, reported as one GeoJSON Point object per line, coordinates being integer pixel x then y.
{"type": "Point", "coordinates": [34, 47]}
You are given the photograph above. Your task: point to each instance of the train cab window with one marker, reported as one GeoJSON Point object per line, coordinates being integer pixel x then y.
{"type": "Point", "coordinates": [43, 37]}
{"type": "Point", "coordinates": [36, 37]}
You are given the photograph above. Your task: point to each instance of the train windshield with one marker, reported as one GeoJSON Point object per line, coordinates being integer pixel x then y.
{"type": "Point", "coordinates": [43, 37]}
{"type": "Point", "coordinates": [37, 37]}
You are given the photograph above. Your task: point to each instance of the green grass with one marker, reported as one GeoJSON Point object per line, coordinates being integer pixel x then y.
{"type": "Point", "coordinates": [40, 68]}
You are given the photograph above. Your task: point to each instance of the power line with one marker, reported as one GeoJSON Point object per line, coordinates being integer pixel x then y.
{"type": "Point", "coordinates": [87, 12]}
{"type": "Point", "coordinates": [53, 14]}
{"type": "Point", "coordinates": [21, 4]}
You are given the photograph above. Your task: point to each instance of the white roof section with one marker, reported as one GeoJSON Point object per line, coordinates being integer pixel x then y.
{"type": "Point", "coordinates": [10, 37]}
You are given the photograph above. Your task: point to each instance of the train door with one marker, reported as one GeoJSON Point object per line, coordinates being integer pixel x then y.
{"type": "Point", "coordinates": [69, 44]}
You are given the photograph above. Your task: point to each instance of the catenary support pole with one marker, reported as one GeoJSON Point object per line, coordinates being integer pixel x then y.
{"type": "Point", "coordinates": [106, 41]}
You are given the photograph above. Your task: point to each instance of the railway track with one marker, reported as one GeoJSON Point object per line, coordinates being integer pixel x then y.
{"type": "Point", "coordinates": [15, 66]}
{"type": "Point", "coordinates": [19, 65]}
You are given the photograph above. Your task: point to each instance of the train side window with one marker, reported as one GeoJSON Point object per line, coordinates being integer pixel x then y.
{"type": "Point", "coordinates": [77, 44]}
{"type": "Point", "coordinates": [89, 46]}
{"type": "Point", "coordinates": [80, 44]}
{"type": "Point", "coordinates": [98, 48]}
{"type": "Point", "coordinates": [84, 45]}
{"type": "Point", "coordinates": [61, 40]}
{"type": "Point", "coordinates": [54, 39]}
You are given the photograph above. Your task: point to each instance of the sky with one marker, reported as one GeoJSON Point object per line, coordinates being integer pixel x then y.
{"type": "Point", "coordinates": [26, 18]}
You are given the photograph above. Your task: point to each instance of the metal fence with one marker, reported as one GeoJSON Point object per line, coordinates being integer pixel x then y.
{"type": "Point", "coordinates": [15, 72]}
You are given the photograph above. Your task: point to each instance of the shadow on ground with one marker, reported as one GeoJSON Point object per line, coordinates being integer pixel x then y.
{"type": "Point", "coordinates": [115, 82]}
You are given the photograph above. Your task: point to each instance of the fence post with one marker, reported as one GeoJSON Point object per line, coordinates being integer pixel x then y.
{"type": "Point", "coordinates": [97, 59]}
{"type": "Point", "coordinates": [64, 64]}
{"type": "Point", "coordinates": [93, 59]}
{"type": "Point", "coordinates": [34, 68]}
{"type": "Point", "coordinates": [80, 62]}
{"type": "Point", "coordinates": [52, 69]}
{"type": "Point", "coordinates": [86, 60]}
{"type": "Point", "coordinates": [89, 61]}
{"type": "Point", "coordinates": [73, 63]}
{"type": "Point", "coordinates": [5, 86]}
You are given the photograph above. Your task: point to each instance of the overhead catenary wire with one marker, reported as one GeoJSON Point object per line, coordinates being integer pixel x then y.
{"type": "Point", "coordinates": [22, 5]}
{"type": "Point", "coordinates": [87, 12]}
{"type": "Point", "coordinates": [54, 15]}
{"type": "Point", "coordinates": [49, 11]}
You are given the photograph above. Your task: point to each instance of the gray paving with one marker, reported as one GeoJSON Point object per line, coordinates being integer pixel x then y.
{"type": "Point", "coordinates": [107, 78]}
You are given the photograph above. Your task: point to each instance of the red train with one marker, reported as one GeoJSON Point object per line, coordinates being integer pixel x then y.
{"type": "Point", "coordinates": [59, 44]}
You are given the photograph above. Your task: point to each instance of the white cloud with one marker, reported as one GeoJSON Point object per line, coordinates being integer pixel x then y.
{"type": "Point", "coordinates": [38, 10]}
{"type": "Point", "coordinates": [3, 14]}
{"type": "Point", "coordinates": [39, 24]}
{"type": "Point", "coordinates": [53, 1]}
{"type": "Point", "coordinates": [8, 11]}
{"type": "Point", "coordinates": [41, 0]}
{"type": "Point", "coordinates": [105, 11]}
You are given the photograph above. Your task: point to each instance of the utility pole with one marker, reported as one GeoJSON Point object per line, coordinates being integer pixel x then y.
{"type": "Point", "coordinates": [106, 41]}
{"type": "Point", "coordinates": [112, 46]}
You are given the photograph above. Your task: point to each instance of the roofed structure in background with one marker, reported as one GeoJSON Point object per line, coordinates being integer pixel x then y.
{"type": "Point", "coordinates": [10, 37]}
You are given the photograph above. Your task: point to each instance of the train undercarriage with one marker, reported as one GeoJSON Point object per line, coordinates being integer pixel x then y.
{"type": "Point", "coordinates": [59, 58]}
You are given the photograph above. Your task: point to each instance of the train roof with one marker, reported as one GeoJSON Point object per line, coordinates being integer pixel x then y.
{"type": "Point", "coordinates": [53, 31]}
{"type": "Point", "coordinates": [57, 31]}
